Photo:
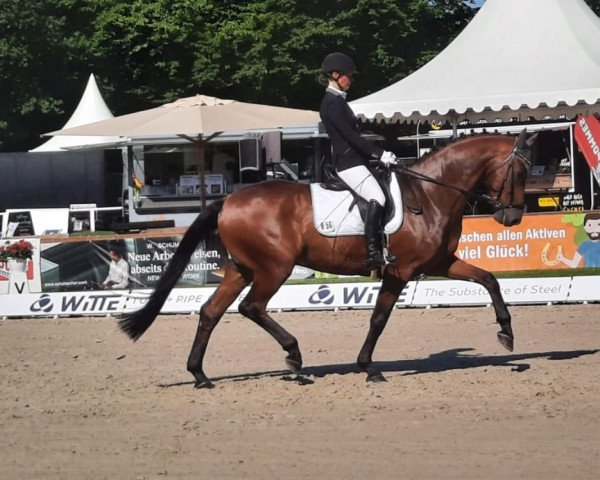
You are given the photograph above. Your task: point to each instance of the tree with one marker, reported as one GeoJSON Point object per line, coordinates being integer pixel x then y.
{"type": "Point", "coordinates": [36, 68]}
{"type": "Point", "coordinates": [271, 50]}
{"type": "Point", "coordinates": [147, 52]}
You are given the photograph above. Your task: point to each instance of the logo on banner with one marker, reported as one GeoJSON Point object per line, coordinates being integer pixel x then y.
{"type": "Point", "coordinates": [587, 135]}
{"type": "Point", "coordinates": [77, 303]}
{"type": "Point", "coordinates": [42, 304]}
{"type": "Point", "coordinates": [322, 295]}
{"type": "Point", "coordinates": [91, 303]}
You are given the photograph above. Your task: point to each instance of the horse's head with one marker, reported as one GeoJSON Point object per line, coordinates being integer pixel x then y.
{"type": "Point", "coordinates": [507, 179]}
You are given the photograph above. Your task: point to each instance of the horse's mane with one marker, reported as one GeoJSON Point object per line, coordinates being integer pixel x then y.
{"type": "Point", "coordinates": [438, 149]}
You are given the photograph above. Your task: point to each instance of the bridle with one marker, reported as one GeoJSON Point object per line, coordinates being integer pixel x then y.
{"type": "Point", "coordinates": [517, 154]}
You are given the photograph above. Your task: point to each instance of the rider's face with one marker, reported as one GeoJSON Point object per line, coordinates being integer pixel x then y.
{"type": "Point", "coordinates": [344, 80]}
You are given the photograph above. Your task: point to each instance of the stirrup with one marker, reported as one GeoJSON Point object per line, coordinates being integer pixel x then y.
{"type": "Point", "coordinates": [388, 257]}
{"type": "Point", "coordinates": [376, 260]}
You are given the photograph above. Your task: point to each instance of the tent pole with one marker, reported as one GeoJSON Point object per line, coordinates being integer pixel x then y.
{"type": "Point", "coordinates": [571, 154]}
{"type": "Point", "coordinates": [454, 125]}
{"type": "Point", "coordinates": [418, 140]}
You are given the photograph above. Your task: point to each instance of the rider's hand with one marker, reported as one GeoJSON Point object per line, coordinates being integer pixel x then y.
{"type": "Point", "coordinates": [388, 158]}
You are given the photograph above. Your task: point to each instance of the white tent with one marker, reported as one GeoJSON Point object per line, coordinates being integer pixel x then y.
{"type": "Point", "coordinates": [516, 58]}
{"type": "Point", "coordinates": [91, 108]}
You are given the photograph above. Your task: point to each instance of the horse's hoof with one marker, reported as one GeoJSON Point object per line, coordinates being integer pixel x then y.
{"type": "Point", "coordinates": [299, 379]}
{"type": "Point", "coordinates": [506, 341]}
{"type": "Point", "coordinates": [376, 378]}
{"type": "Point", "coordinates": [294, 365]}
{"type": "Point", "coordinates": [204, 384]}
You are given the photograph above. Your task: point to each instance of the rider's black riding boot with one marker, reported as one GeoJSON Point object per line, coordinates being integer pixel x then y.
{"type": "Point", "coordinates": [373, 235]}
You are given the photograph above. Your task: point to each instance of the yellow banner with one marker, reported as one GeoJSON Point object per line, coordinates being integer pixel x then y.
{"type": "Point", "coordinates": [541, 241]}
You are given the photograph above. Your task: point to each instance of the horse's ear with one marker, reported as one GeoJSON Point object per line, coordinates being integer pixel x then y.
{"type": "Point", "coordinates": [531, 139]}
{"type": "Point", "coordinates": [522, 140]}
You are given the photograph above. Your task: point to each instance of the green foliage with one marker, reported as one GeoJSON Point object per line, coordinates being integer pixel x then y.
{"type": "Point", "coordinates": [147, 52]}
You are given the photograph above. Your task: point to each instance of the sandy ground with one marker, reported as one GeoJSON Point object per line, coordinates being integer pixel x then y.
{"type": "Point", "coordinates": [80, 401]}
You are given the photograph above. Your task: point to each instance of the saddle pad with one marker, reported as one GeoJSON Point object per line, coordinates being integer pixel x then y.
{"type": "Point", "coordinates": [332, 216]}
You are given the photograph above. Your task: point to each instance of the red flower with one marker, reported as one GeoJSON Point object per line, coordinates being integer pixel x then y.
{"type": "Point", "coordinates": [20, 249]}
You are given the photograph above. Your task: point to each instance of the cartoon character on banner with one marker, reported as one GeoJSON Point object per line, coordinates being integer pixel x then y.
{"type": "Point", "coordinates": [587, 239]}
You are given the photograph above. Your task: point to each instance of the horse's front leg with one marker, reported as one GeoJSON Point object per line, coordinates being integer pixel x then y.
{"type": "Point", "coordinates": [388, 295]}
{"type": "Point", "coordinates": [461, 270]}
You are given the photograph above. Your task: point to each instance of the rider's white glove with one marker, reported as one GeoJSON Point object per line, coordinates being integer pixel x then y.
{"type": "Point", "coordinates": [388, 158]}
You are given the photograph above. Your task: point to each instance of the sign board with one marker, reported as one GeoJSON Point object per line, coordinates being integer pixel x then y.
{"type": "Point", "coordinates": [552, 202]}
{"type": "Point", "coordinates": [429, 293]}
{"type": "Point", "coordinates": [82, 206]}
{"type": "Point", "coordinates": [80, 220]}
{"type": "Point", "coordinates": [548, 241]}
{"type": "Point", "coordinates": [587, 135]}
{"type": "Point", "coordinates": [548, 182]}
{"type": "Point", "coordinates": [23, 221]}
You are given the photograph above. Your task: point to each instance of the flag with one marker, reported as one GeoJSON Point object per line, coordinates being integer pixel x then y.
{"type": "Point", "coordinates": [587, 136]}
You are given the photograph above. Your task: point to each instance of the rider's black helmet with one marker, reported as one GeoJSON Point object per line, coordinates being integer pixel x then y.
{"type": "Point", "coordinates": [338, 62]}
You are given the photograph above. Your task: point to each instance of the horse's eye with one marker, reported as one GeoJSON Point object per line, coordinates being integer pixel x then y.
{"type": "Point", "coordinates": [521, 176]}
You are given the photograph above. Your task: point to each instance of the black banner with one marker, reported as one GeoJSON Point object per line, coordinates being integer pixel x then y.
{"type": "Point", "coordinates": [137, 263]}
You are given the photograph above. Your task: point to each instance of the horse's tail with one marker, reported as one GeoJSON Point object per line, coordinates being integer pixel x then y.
{"type": "Point", "coordinates": [135, 324]}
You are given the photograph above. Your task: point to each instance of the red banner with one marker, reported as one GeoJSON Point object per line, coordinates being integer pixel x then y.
{"type": "Point", "coordinates": [587, 135]}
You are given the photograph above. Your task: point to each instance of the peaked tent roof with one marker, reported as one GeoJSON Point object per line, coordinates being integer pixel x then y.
{"type": "Point", "coordinates": [91, 108]}
{"type": "Point", "coordinates": [516, 58]}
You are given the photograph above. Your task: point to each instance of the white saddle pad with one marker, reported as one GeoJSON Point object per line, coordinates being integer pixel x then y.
{"type": "Point", "coordinates": [333, 218]}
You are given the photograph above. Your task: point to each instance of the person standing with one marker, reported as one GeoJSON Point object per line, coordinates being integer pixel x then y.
{"type": "Point", "coordinates": [351, 152]}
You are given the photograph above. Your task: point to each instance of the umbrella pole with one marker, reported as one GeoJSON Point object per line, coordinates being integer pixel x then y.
{"type": "Point", "coordinates": [201, 161]}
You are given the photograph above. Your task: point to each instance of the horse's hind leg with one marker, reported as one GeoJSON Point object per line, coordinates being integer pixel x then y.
{"type": "Point", "coordinates": [211, 312]}
{"type": "Point", "coordinates": [254, 306]}
{"type": "Point", "coordinates": [461, 270]}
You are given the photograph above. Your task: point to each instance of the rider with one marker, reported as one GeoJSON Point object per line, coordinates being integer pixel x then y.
{"type": "Point", "coordinates": [351, 152]}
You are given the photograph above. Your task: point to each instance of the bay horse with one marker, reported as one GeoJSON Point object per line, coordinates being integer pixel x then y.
{"type": "Point", "coordinates": [267, 228]}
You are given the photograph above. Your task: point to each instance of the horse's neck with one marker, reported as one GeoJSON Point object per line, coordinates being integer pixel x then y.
{"type": "Point", "coordinates": [460, 165]}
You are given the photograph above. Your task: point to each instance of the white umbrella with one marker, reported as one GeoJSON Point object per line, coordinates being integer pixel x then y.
{"type": "Point", "coordinates": [197, 119]}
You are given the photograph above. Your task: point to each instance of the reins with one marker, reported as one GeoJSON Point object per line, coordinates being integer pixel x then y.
{"type": "Point", "coordinates": [402, 170]}
{"type": "Point", "coordinates": [516, 154]}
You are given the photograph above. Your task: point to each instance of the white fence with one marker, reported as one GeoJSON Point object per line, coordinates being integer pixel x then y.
{"type": "Point", "coordinates": [324, 296]}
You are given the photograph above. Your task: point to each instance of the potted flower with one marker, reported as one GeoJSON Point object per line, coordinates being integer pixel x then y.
{"type": "Point", "coordinates": [4, 254]}
{"type": "Point", "coordinates": [17, 255]}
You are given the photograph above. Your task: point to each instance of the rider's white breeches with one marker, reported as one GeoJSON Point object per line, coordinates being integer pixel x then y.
{"type": "Point", "coordinates": [362, 181]}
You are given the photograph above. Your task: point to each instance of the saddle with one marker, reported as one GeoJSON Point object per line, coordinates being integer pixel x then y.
{"type": "Point", "coordinates": [331, 181]}
{"type": "Point", "coordinates": [339, 211]}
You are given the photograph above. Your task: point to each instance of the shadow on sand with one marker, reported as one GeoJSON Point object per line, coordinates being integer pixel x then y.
{"type": "Point", "coordinates": [455, 359]}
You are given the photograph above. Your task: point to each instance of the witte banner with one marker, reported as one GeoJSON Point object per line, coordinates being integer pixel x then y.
{"type": "Point", "coordinates": [427, 293]}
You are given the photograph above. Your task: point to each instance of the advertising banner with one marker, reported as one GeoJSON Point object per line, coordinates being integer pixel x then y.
{"type": "Point", "coordinates": [130, 263]}
{"type": "Point", "coordinates": [514, 290]}
{"type": "Point", "coordinates": [20, 276]}
{"type": "Point", "coordinates": [326, 296]}
{"type": "Point", "coordinates": [584, 289]}
{"type": "Point", "coordinates": [587, 136]}
{"type": "Point", "coordinates": [540, 242]}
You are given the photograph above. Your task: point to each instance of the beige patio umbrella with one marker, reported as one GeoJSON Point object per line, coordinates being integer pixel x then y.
{"type": "Point", "coordinates": [197, 119]}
